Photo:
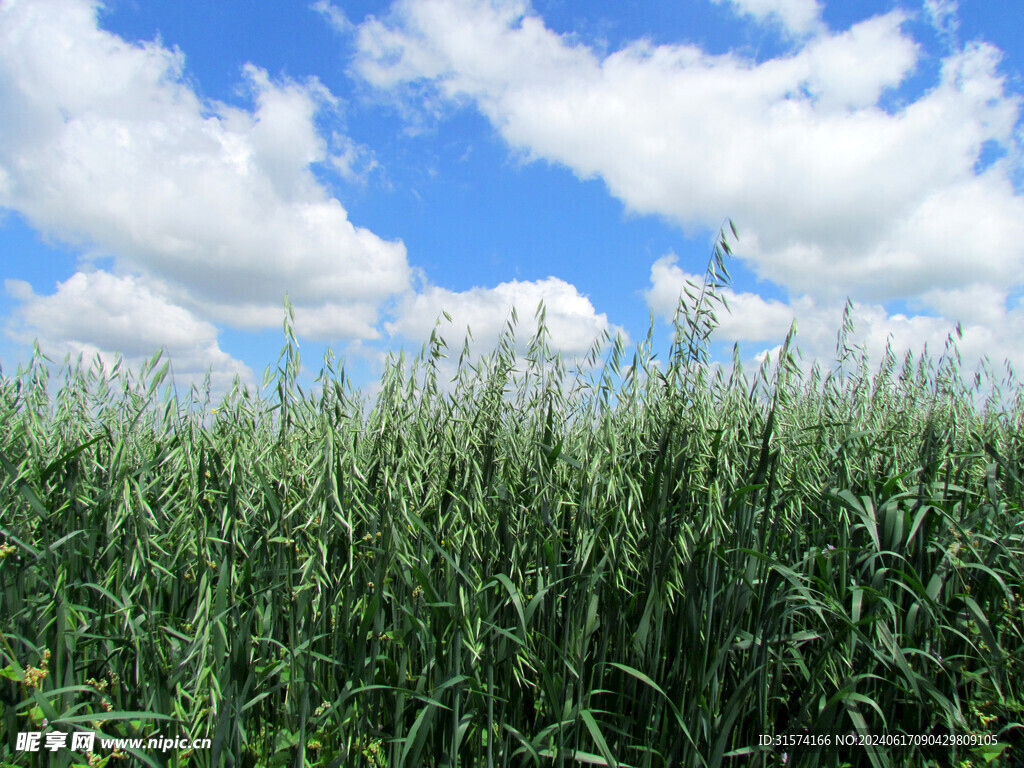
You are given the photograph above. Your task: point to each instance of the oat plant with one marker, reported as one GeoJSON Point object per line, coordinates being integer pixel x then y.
{"type": "Point", "coordinates": [654, 564]}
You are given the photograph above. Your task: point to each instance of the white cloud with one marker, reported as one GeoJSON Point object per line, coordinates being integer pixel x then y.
{"type": "Point", "coordinates": [797, 16]}
{"type": "Point", "coordinates": [211, 212]}
{"type": "Point", "coordinates": [751, 318]}
{"type": "Point", "coordinates": [974, 304]}
{"type": "Point", "coordinates": [944, 16]}
{"type": "Point", "coordinates": [355, 162]}
{"type": "Point", "coordinates": [103, 144]}
{"type": "Point", "coordinates": [334, 15]}
{"type": "Point", "coordinates": [990, 329]}
{"type": "Point", "coordinates": [98, 313]}
{"type": "Point", "coordinates": [570, 318]}
{"type": "Point", "coordinates": [834, 194]}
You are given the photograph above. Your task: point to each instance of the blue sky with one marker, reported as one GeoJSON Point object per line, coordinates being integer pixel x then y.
{"type": "Point", "coordinates": [168, 170]}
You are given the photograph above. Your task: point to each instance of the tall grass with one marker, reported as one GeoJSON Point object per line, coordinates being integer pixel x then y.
{"type": "Point", "coordinates": [524, 566]}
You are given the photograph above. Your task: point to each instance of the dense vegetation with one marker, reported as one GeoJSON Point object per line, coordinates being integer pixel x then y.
{"type": "Point", "coordinates": [652, 565]}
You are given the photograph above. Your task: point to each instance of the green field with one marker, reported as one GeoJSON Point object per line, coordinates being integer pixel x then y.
{"type": "Point", "coordinates": [655, 564]}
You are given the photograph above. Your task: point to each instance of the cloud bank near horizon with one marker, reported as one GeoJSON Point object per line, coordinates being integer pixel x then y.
{"type": "Point", "coordinates": [192, 215]}
{"type": "Point", "coordinates": [837, 193]}
{"type": "Point", "coordinates": [206, 213]}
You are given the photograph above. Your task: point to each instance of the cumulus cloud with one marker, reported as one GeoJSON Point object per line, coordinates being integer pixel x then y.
{"type": "Point", "coordinates": [989, 328]}
{"type": "Point", "coordinates": [751, 318]}
{"type": "Point", "coordinates": [796, 16]}
{"type": "Point", "coordinates": [210, 212]}
{"type": "Point", "coordinates": [98, 313]}
{"type": "Point", "coordinates": [570, 318]}
{"type": "Point", "coordinates": [104, 145]}
{"type": "Point", "coordinates": [836, 192]}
